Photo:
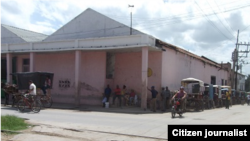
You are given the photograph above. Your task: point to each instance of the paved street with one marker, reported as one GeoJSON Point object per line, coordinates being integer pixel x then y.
{"type": "Point", "coordinates": [148, 125]}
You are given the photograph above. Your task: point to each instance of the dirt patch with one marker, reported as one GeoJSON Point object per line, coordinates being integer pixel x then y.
{"type": "Point", "coordinates": [7, 136]}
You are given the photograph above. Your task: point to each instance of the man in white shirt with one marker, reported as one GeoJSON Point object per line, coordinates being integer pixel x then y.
{"type": "Point", "coordinates": [32, 87]}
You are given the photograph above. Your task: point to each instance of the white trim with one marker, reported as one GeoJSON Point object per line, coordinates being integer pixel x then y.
{"type": "Point", "coordinates": [91, 44]}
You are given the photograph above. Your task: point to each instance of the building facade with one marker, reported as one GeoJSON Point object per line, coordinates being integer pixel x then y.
{"type": "Point", "coordinates": [84, 62]}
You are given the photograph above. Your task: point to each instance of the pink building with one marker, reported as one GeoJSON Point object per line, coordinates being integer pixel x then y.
{"type": "Point", "coordinates": [89, 54]}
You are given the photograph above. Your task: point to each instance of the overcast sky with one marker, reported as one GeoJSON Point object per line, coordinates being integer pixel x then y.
{"type": "Point", "coordinates": [203, 27]}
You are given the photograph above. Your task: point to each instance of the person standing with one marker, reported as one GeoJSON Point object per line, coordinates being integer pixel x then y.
{"type": "Point", "coordinates": [153, 100]}
{"type": "Point", "coordinates": [117, 94]}
{"type": "Point", "coordinates": [124, 95]}
{"type": "Point", "coordinates": [163, 96]}
{"type": "Point", "coordinates": [107, 93]}
{"type": "Point", "coordinates": [167, 91]}
{"type": "Point", "coordinates": [132, 97]}
{"type": "Point", "coordinates": [47, 85]}
{"type": "Point", "coordinates": [227, 99]}
{"type": "Point", "coordinates": [248, 99]}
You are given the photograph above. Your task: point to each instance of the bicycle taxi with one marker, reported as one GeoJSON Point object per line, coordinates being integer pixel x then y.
{"type": "Point", "coordinates": [216, 96]}
{"type": "Point", "coordinates": [194, 88]}
{"type": "Point", "coordinates": [223, 91]}
{"type": "Point", "coordinates": [38, 78]}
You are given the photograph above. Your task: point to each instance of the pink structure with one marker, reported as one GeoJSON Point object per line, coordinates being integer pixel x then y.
{"type": "Point", "coordinates": [84, 65]}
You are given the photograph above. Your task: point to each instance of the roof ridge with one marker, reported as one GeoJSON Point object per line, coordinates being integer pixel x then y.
{"type": "Point", "coordinates": [24, 29]}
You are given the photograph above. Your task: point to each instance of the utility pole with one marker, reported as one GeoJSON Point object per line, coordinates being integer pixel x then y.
{"type": "Point", "coordinates": [131, 19]}
{"type": "Point", "coordinates": [236, 55]}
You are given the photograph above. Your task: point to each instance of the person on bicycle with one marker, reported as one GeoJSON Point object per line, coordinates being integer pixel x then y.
{"type": "Point", "coordinates": [32, 89]}
{"type": "Point", "coordinates": [182, 95]}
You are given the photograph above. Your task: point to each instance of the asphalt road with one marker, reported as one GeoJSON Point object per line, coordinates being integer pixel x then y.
{"type": "Point", "coordinates": [146, 125]}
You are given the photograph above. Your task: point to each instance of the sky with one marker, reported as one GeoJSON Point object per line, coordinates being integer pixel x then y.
{"type": "Point", "coordinates": [204, 27]}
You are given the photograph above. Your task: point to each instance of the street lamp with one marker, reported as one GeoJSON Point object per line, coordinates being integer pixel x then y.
{"type": "Point", "coordinates": [131, 19]}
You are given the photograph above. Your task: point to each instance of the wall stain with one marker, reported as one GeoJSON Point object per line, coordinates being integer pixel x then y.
{"type": "Point", "coordinates": [88, 87]}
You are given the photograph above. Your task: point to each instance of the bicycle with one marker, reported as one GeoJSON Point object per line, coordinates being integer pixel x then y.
{"type": "Point", "coordinates": [46, 101]}
{"type": "Point", "coordinates": [176, 108]}
{"type": "Point", "coordinates": [29, 103]}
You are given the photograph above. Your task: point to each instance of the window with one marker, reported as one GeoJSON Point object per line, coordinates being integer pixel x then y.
{"type": "Point", "coordinates": [222, 82]}
{"type": "Point", "coordinates": [26, 65]}
{"type": "Point", "coordinates": [226, 82]}
{"type": "Point", "coordinates": [110, 66]}
{"type": "Point", "coordinates": [213, 80]}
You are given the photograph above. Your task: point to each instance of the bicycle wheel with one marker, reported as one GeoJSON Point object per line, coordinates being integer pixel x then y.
{"type": "Point", "coordinates": [21, 106]}
{"type": "Point", "coordinates": [46, 101]}
{"type": "Point", "coordinates": [173, 114]}
{"type": "Point", "coordinates": [36, 106]}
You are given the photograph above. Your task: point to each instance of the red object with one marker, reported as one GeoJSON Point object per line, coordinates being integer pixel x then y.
{"type": "Point", "coordinates": [118, 91]}
{"type": "Point", "coordinates": [132, 94]}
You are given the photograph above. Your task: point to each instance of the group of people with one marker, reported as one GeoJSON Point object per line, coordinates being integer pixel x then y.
{"type": "Point", "coordinates": [165, 97]}
{"type": "Point", "coordinates": [124, 96]}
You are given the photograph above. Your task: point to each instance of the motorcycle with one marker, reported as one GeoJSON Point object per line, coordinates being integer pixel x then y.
{"type": "Point", "coordinates": [176, 107]}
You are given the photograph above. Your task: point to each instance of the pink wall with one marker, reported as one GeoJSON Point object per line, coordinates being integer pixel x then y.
{"type": "Point", "coordinates": [168, 67]}
{"type": "Point", "coordinates": [93, 76]}
{"type": "Point", "coordinates": [177, 66]}
{"type": "Point", "coordinates": [62, 64]}
{"type": "Point", "coordinates": [128, 67]}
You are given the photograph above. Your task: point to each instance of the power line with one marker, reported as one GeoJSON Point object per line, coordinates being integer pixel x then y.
{"type": "Point", "coordinates": [147, 26]}
{"type": "Point", "coordinates": [224, 18]}
{"type": "Point", "coordinates": [245, 28]}
{"type": "Point", "coordinates": [180, 15]}
{"type": "Point", "coordinates": [213, 23]}
{"type": "Point", "coordinates": [163, 21]}
{"type": "Point", "coordinates": [220, 20]}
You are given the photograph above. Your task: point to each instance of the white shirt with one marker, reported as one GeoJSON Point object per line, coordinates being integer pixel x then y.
{"type": "Point", "coordinates": [33, 86]}
{"type": "Point", "coordinates": [248, 97]}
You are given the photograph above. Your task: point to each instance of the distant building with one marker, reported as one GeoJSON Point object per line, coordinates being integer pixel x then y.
{"type": "Point", "coordinates": [241, 82]}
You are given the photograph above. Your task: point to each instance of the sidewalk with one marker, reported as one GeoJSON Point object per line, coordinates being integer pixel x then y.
{"type": "Point", "coordinates": [111, 109]}
{"type": "Point", "coordinates": [46, 132]}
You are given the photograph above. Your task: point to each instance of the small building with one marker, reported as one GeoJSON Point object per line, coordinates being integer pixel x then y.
{"type": "Point", "coordinates": [93, 50]}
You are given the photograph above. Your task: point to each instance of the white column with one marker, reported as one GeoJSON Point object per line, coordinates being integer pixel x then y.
{"type": "Point", "coordinates": [9, 68]}
{"type": "Point", "coordinates": [32, 61]}
{"type": "Point", "coordinates": [144, 78]}
{"type": "Point", "coordinates": [77, 75]}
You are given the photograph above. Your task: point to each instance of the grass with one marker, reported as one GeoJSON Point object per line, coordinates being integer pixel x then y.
{"type": "Point", "coordinates": [13, 123]}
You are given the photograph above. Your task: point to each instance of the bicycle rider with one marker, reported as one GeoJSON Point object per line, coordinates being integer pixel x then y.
{"type": "Point", "coordinates": [32, 90]}
{"type": "Point", "coordinates": [182, 95]}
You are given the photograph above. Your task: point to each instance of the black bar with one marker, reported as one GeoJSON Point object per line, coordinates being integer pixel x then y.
{"type": "Point", "coordinates": [208, 132]}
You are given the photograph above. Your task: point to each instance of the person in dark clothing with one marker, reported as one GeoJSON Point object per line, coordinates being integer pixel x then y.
{"type": "Point", "coordinates": [117, 94]}
{"type": "Point", "coordinates": [153, 100]}
{"type": "Point", "coordinates": [107, 93]}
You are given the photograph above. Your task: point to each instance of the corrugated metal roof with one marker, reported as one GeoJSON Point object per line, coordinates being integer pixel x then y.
{"type": "Point", "coordinates": [28, 36]}
{"type": "Point", "coordinates": [188, 53]}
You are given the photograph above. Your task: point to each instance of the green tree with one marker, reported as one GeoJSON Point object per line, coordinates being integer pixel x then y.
{"type": "Point", "coordinates": [247, 84]}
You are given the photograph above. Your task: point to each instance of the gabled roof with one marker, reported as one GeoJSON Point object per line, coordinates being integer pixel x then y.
{"type": "Point", "coordinates": [25, 35]}
{"type": "Point", "coordinates": [91, 24]}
